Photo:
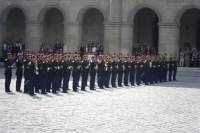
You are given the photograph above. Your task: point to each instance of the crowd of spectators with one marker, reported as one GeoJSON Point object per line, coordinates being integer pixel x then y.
{"type": "Point", "coordinates": [52, 47]}
{"type": "Point", "coordinates": [13, 48]}
{"type": "Point", "coordinates": [144, 49]}
{"type": "Point", "coordinates": [91, 48]}
{"type": "Point", "coordinates": [189, 57]}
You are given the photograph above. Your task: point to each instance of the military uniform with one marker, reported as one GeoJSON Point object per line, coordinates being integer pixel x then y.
{"type": "Point", "coordinates": [75, 74]}
{"type": "Point", "coordinates": [175, 69]}
{"type": "Point", "coordinates": [140, 71]}
{"type": "Point", "coordinates": [114, 73]}
{"type": "Point", "coordinates": [44, 76]}
{"type": "Point", "coordinates": [32, 76]}
{"type": "Point", "coordinates": [108, 72]}
{"type": "Point", "coordinates": [120, 72]}
{"type": "Point", "coordinates": [93, 70]}
{"type": "Point", "coordinates": [8, 74]}
{"type": "Point", "coordinates": [102, 73]}
{"type": "Point", "coordinates": [66, 75]}
{"type": "Point", "coordinates": [54, 65]}
{"type": "Point", "coordinates": [19, 73]}
{"type": "Point", "coordinates": [84, 74]}
{"type": "Point", "coordinates": [133, 71]}
{"type": "Point", "coordinates": [26, 77]}
{"type": "Point", "coordinates": [127, 66]}
{"type": "Point", "coordinates": [171, 68]}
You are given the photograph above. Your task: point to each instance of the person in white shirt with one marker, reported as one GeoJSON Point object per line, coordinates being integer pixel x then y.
{"type": "Point", "coordinates": [94, 49]}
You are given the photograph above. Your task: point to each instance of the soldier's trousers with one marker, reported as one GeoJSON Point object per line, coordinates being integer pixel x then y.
{"type": "Point", "coordinates": [37, 83]}
{"type": "Point", "coordinates": [132, 78]}
{"type": "Point", "coordinates": [157, 77]}
{"type": "Point", "coordinates": [120, 75]}
{"type": "Point", "coordinates": [26, 82]}
{"type": "Point", "coordinates": [99, 75]}
{"type": "Point", "coordinates": [55, 84]}
{"type": "Point", "coordinates": [44, 85]}
{"type": "Point", "coordinates": [165, 75]}
{"type": "Point", "coordinates": [113, 80]}
{"type": "Point", "coordinates": [170, 75]}
{"type": "Point", "coordinates": [48, 84]}
{"type": "Point", "coordinates": [126, 79]}
{"type": "Point", "coordinates": [151, 77]}
{"type": "Point", "coordinates": [138, 78]}
{"type": "Point", "coordinates": [84, 82]}
{"type": "Point", "coordinates": [174, 74]}
{"type": "Point", "coordinates": [92, 81]}
{"type": "Point", "coordinates": [107, 80]}
{"type": "Point", "coordinates": [60, 81]}
{"type": "Point", "coordinates": [18, 82]}
{"type": "Point", "coordinates": [7, 83]}
{"type": "Point", "coordinates": [75, 83]}
{"type": "Point", "coordinates": [65, 83]}
{"type": "Point", "coordinates": [31, 86]}
{"type": "Point", "coordinates": [102, 81]}
{"type": "Point", "coordinates": [146, 78]}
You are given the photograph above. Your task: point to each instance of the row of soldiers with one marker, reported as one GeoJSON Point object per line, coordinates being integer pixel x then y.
{"type": "Point", "coordinates": [51, 71]}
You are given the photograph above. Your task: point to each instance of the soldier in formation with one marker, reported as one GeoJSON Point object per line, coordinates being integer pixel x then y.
{"type": "Point", "coordinates": [48, 72]}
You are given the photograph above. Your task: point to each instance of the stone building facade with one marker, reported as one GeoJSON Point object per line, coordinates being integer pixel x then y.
{"type": "Point", "coordinates": [117, 24]}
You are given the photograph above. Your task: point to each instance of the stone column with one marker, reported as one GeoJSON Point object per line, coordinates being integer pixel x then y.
{"type": "Point", "coordinates": [34, 35]}
{"type": "Point", "coordinates": [112, 37]}
{"type": "Point", "coordinates": [112, 29]}
{"type": "Point", "coordinates": [126, 38]}
{"type": "Point", "coordinates": [72, 36]}
{"type": "Point", "coordinates": [168, 38]}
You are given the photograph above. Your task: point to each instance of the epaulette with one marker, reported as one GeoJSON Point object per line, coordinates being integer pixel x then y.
{"type": "Point", "coordinates": [5, 59]}
{"type": "Point", "coordinates": [72, 61]}
{"type": "Point", "coordinates": [16, 60]}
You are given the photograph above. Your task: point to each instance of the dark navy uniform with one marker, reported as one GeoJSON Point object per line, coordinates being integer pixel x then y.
{"type": "Point", "coordinates": [99, 72]}
{"type": "Point", "coordinates": [108, 72]}
{"type": "Point", "coordinates": [102, 73]}
{"type": "Point", "coordinates": [133, 72]}
{"type": "Point", "coordinates": [75, 74]}
{"type": "Point", "coordinates": [44, 76]}
{"type": "Point", "coordinates": [120, 72]}
{"type": "Point", "coordinates": [126, 72]}
{"type": "Point", "coordinates": [84, 74]}
{"type": "Point", "coordinates": [174, 70]}
{"type": "Point", "coordinates": [140, 71]}
{"type": "Point", "coordinates": [66, 75]}
{"type": "Point", "coordinates": [8, 74]}
{"type": "Point", "coordinates": [147, 72]}
{"type": "Point", "coordinates": [171, 68]}
{"type": "Point", "coordinates": [37, 79]}
{"type": "Point", "coordinates": [19, 73]}
{"type": "Point", "coordinates": [154, 71]}
{"type": "Point", "coordinates": [32, 76]}
{"type": "Point", "coordinates": [93, 71]}
{"type": "Point", "coordinates": [26, 77]}
{"type": "Point", "coordinates": [49, 78]}
{"type": "Point", "coordinates": [54, 65]}
{"type": "Point", "coordinates": [114, 73]}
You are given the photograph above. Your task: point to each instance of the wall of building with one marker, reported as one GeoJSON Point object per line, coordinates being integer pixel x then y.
{"type": "Point", "coordinates": [118, 23]}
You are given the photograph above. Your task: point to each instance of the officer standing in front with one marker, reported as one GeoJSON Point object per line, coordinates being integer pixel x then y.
{"type": "Point", "coordinates": [8, 72]}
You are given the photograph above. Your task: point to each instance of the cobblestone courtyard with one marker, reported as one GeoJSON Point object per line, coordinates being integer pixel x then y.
{"type": "Point", "coordinates": [163, 108]}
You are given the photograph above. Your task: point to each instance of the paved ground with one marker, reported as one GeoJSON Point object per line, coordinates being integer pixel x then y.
{"type": "Point", "coordinates": [164, 108]}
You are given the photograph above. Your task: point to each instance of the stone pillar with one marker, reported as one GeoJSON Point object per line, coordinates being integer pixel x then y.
{"type": "Point", "coordinates": [112, 37]}
{"type": "Point", "coordinates": [126, 38]}
{"type": "Point", "coordinates": [168, 38]}
{"type": "Point", "coordinates": [34, 35]}
{"type": "Point", "coordinates": [112, 29]}
{"type": "Point", "coordinates": [72, 36]}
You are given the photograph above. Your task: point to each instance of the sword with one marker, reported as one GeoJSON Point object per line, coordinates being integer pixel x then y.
{"type": "Point", "coordinates": [99, 78]}
{"type": "Point", "coordinates": [26, 82]}
{"type": "Point", "coordinates": [142, 74]}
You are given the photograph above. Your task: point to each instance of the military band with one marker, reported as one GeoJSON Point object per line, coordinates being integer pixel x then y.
{"type": "Point", "coordinates": [48, 72]}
